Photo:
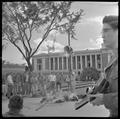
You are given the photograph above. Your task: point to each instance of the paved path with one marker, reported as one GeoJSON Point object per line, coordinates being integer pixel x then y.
{"type": "Point", "coordinates": [61, 109]}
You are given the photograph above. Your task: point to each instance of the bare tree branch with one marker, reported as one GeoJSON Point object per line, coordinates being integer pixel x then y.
{"type": "Point", "coordinates": [19, 27]}
{"type": "Point", "coordinates": [12, 42]}
{"type": "Point", "coordinates": [44, 37]}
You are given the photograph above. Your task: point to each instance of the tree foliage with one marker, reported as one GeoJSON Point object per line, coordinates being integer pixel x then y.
{"type": "Point", "coordinates": [21, 19]}
{"type": "Point", "coordinates": [89, 74]}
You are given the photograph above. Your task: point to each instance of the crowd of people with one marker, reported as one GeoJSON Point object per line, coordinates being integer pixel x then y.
{"type": "Point", "coordinates": [29, 84]}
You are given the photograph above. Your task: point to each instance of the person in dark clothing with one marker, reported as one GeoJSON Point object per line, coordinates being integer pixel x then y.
{"type": "Point", "coordinates": [58, 81]}
{"type": "Point", "coordinates": [15, 105]}
{"type": "Point", "coordinates": [110, 38]}
{"type": "Point", "coordinates": [78, 76]}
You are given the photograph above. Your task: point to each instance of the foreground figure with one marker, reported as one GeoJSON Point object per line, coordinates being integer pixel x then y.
{"type": "Point", "coordinates": [110, 39]}
{"type": "Point", "coordinates": [15, 105]}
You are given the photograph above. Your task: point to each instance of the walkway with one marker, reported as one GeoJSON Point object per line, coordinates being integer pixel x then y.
{"type": "Point", "coordinates": [61, 109]}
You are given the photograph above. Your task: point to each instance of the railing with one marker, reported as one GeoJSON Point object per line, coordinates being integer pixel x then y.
{"type": "Point", "coordinates": [79, 84]}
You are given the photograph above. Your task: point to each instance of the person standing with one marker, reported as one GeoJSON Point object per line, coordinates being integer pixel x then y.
{"type": "Point", "coordinates": [78, 76]}
{"type": "Point", "coordinates": [68, 81]}
{"type": "Point", "coordinates": [52, 79]}
{"type": "Point", "coordinates": [4, 86]}
{"type": "Point", "coordinates": [34, 83]}
{"type": "Point", "coordinates": [23, 83]}
{"type": "Point", "coordinates": [110, 39]}
{"type": "Point", "coordinates": [58, 82]}
{"type": "Point", "coordinates": [10, 85]}
{"type": "Point", "coordinates": [19, 78]}
{"type": "Point", "coordinates": [27, 83]}
{"type": "Point", "coordinates": [73, 77]}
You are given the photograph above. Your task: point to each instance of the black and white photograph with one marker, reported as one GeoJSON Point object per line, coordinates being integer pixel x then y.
{"type": "Point", "coordinates": [59, 59]}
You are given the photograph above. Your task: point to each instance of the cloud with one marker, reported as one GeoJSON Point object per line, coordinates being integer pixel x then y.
{"type": "Point", "coordinates": [97, 19]}
{"type": "Point", "coordinates": [96, 43]}
{"type": "Point", "coordinates": [44, 49]}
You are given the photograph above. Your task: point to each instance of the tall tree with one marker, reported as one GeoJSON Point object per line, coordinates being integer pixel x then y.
{"type": "Point", "coordinates": [21, 19]}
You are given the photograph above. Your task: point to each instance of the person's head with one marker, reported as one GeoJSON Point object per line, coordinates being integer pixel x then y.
{"type": "Point", "coordinates": [110, 31]}
{"type": "Point", "coordinates": [15, 103]}
{"type": "Point", "coordinates": [78, 72]}
{"type": "Point", "coordinates": [73, 73]}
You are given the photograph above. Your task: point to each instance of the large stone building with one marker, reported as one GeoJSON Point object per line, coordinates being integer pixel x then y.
{"type": "Point", "coordinates": [58, 62]}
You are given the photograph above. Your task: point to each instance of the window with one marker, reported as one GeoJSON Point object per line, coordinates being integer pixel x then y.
{"type": "Point", "coordinates": [64, 63]}
{"type": "Point", "coordinates": [51, 62]}
{"type": "Point", "coordinates": [78, 62]}
{"type": "Point", "coordinates": [39, 64]}
{"type": "Point", "coordinates": [56, 63]}
{"type": "Point", "coordinates": [47, 63]}
{"type": "Point", "coordinates": [74, 62]}
{"type": "Point", "coordinates": [60, 63]}
{"type": "Point", "coordinates": [88, 60]}
{"type": "Point", "coordinates": [98, 61]}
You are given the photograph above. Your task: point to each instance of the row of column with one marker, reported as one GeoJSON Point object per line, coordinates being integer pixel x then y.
{"type": "Point", "coordinates": [81, 62]}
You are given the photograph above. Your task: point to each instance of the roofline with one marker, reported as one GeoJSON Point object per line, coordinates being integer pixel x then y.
{"type": "Point", "coordinates": [62, 53]}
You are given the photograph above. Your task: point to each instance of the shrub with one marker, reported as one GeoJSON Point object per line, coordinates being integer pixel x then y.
{"type": "Point", "coordinates": [89, 74]}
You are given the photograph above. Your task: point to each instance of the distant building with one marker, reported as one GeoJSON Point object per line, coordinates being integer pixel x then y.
{"type": "Point", "coordinates": [58, 62]}
{"type": "Point", "coordinates": [12, 68]}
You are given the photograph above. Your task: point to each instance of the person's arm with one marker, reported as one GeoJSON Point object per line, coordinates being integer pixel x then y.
{"type": "Point", "coordinates": [110, 100]}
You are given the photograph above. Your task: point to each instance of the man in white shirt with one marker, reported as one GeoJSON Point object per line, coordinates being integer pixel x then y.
{"type": "Point", "coordinates": [10, 85]}
{"type": "Point", "coordinates": [52, 79]}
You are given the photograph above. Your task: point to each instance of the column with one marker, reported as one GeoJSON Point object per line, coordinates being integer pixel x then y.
{"type": "Point", "coordinates": [101, 61]}
{"type": "Point", "coordinates": [96, 61]}
{"type": "Point", "coordinates": [63, 63]}
{"type": "Point", "coordinates": [53, 63]}
{"type": "Point", "coordinates": [81, 62]}
{"type": "Point", "coordinates": [76, 62]}
{"type": "Point", "coordinates": [58, 64]}
{"type": "Point", "coordinates": [85, 60]}
{"type": "Point", "coordinates": [90, 60]}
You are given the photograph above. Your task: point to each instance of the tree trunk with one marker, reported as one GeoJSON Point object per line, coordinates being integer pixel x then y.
{"type": "Point", "coordinates": [29, 72]}
{"type": "Point", "coordinates": [29, 65]}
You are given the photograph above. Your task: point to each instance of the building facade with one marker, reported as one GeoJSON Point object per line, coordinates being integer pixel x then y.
{"type": "Point", "coordinates": [58, 62]}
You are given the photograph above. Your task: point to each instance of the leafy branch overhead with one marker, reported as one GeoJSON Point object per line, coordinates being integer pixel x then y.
{"type": "Point", "coordinates": [21, 19]}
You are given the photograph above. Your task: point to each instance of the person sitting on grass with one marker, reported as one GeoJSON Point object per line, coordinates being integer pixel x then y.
{"type": "Point", "coordinates": [15, 105]}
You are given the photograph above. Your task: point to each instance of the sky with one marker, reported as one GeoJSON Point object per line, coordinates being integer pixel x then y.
{"type": "Point", "coordinates": [88, 31]}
